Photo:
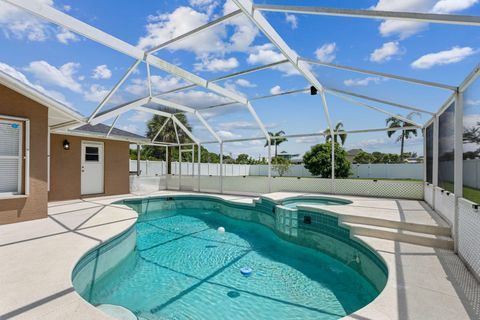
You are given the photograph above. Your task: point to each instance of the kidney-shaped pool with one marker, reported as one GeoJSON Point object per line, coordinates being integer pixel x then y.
{"type": "Point", "coordinates": [177, 263]}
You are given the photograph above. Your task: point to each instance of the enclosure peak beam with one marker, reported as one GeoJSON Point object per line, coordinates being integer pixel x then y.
{"type": "Point", "coordinates": [375, 14]}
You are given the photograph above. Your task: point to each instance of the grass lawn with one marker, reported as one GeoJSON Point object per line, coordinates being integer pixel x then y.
{"type": "Point", "coordinates": [471, 194]}
{"type": "Point", "coordinates": [468, 193]}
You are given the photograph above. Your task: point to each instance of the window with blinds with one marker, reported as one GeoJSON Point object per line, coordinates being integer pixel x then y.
{"type": "Point", "coordinates": [10, 157]}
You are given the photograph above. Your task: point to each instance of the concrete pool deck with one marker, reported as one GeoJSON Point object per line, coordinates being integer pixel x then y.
{"type": "Point", "coordinates": [38, 258]}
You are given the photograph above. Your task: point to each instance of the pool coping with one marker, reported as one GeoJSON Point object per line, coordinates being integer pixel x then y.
{"type": "Point", "coordinates": [414, 294]}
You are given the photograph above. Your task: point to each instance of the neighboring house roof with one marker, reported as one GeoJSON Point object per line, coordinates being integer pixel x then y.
{"type": "Point", "coordinates": [286, 154]}
{"type": "Point", "coordinates": [101, 130]}
{"type": "Point", "coordinates": [58, 112]}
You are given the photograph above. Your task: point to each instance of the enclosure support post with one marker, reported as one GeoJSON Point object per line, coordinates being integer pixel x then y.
{"type": "Point", "coordinates": [269, 165]}
{"type": "Point", "coordinates": [424, 166]}
{"type": "Point", "coordinates": [458, 162]}
{"type": "Point", "coordinates": [333, 163]}
{"type": "Point", "coordinates": [435, 158]}
{"type": "Point", "coordinates": [179, 167]}
{"type": "Point", "coordinates": [167, 173]}
{"type": "Point", "coordinates": [221, 167]}
{"type": "Point", "coordinates": [199, 154]}
{"type": "Point", "coordinates": [193, 163]}
{"type": "Point", "coordinates": [138, 160]}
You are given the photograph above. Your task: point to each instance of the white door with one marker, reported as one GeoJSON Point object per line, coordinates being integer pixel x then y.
{"type": "Point", "coordinates": [92, 167]}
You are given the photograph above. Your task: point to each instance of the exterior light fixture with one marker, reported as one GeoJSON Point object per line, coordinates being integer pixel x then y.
{"type": "Point", "coordinates": [66, 145]}
{"type": "Point", "coordinates": [313, 91]}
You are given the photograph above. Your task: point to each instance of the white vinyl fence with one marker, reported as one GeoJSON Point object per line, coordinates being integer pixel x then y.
{"type": "Point", "coordinates": [255, 185]}
{"type": "Point", "coordinates": [407, 171]}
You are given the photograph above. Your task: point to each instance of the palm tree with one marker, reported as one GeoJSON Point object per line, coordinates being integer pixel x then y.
{"type": "Point", "coordinates": [167, 135]}
{"type": "Point", "coordinates": [472, 135]}
{"type": "Point", "coordinates": [393, 122]}
{"type": "Point", "coordinates": [338, 128]}
{"type": "Point", "coordinates": [277, 140]}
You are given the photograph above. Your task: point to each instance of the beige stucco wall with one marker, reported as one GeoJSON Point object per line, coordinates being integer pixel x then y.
{"type": "Point", "coordinates": [33, 206]}
{"type": "Point", "coordinates": [65, 169]}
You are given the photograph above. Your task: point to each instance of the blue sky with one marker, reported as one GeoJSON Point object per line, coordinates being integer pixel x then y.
{"type": "Point", "coordinates": [80, 72]}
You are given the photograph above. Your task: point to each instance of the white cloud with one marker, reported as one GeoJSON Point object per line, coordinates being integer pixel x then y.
{"type": "Point", "coordinates": [405, 29]}
{"type": "Point", "coordinates": [265, 54]}
{"type": "Point", "coordinates": [472, 102]}
{"type": "Point", "coordinates": [365, 144]}
{"type": "Point", "coordinates": [198, 99]}
{"type": "Point", "coordinates": [232, 86]}
{"type": "Point", "coordinates": [101, 72]}
{"type": "Point", "coordinates": [139, 87]}
{"type": "Point", "coordinates": [61, 77]}
{"type": "Point", "coordinates": [204, 5]}
{"type": "Point", "coordinates": [292, 20]}
{"type": "Point", "coordinates": [140, 116]}
{"type": "Point", "coordinates": [11, 71]}
{"type": "Point", "coordinates": [308, 140]}
{"type": "Point", "coordinates": [447, 6]}
{"type": "Point", "coordinates": [164, 27]}
{"type": "Point", "coordinates": [326, 53]}
{"type": "Point", "coordinates": [376, 144]}
{"type": "Point", "coordinates": [194, 3]}
{"type": "Point", "coordinates": [454, 55]}
{"type": "Point", "coordinates": [95, 93]}
{"type": "Point", "coordinates": [385, 52]}
{"type": "Point", "coordinates": [228, 134]}
{"type": "Point", "coordinates": [245, 31]}
{"type": "Point", "coordinates": [216, 65]}
{"type": "Point", "coordinates": [215, 40]}
{"type": "Point", "coordinates": [20, 24]}
{"type": "Point", "coordinates": [131, 128]}
{"type": "Point", "coordinates": [276, 90]}
{"type": "Point", "coordinates": [64, 36]}
{"type": "Point", "coordinates": [67, 8]}
{"type": "Point", "coordinates": [238, 125]}
{"type": "Point", "coordinates": [245, 83]}
{"type": "Point", "coordinates": [362, 82]}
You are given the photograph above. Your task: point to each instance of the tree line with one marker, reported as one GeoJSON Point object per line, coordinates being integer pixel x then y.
{"type": "Point", "coordinates": [317, 160]}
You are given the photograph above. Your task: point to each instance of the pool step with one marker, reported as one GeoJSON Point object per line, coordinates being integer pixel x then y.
{"type": "Point", "coordinates": [402, 235]}
{"type": "Point", "coordinates": [407, 226]}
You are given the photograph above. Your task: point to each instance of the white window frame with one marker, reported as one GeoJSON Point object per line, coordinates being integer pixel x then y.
{"type": "Point", "coordinates": [23, 156]}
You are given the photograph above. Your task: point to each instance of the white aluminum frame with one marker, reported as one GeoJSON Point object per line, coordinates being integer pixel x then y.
{"type": "Point", "coordinates": [253, 12]}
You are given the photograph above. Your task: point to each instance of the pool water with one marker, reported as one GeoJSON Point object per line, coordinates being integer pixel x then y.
{"type": "Point", "coordinates": [183, 268]}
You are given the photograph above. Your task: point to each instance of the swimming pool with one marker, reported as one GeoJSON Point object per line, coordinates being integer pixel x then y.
{"type": "Point", "coordinates": [183, 268]}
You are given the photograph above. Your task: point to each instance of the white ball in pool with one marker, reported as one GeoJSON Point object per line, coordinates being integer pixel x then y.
{"type": "Point", "coordinates": [221, 230]}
